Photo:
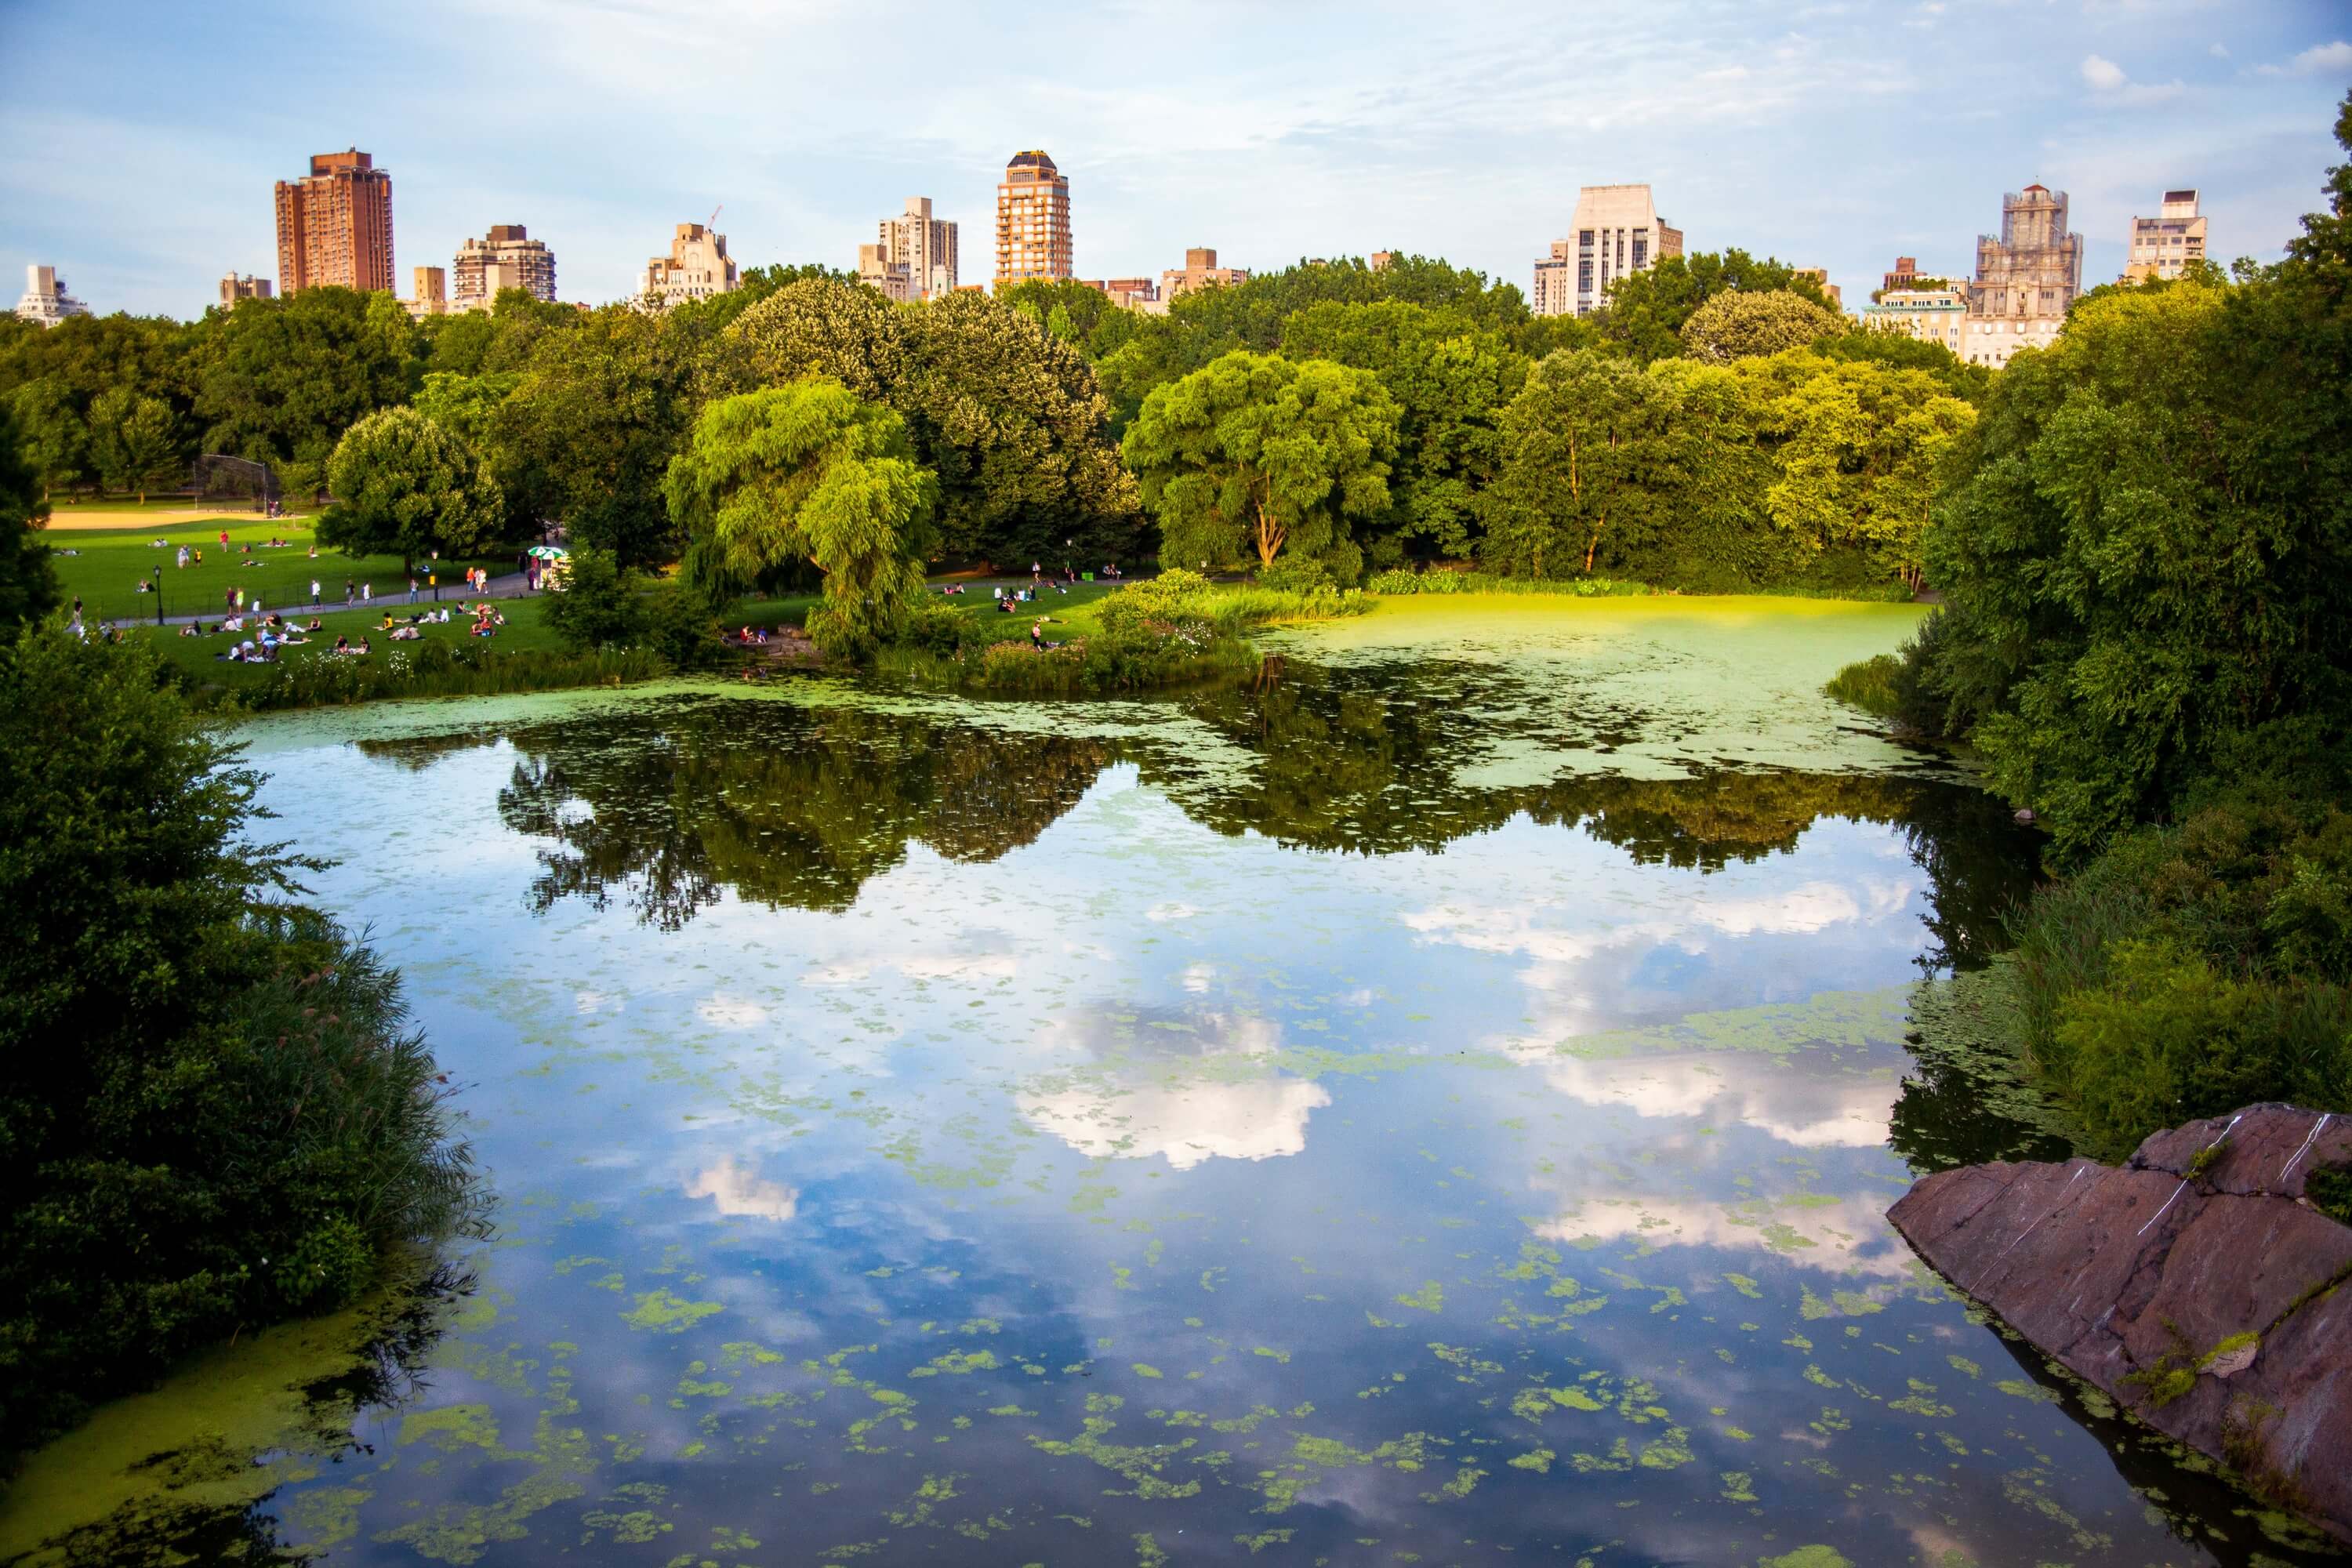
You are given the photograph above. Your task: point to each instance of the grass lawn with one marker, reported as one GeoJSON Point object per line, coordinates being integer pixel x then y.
{"type": "Point", "coordinates": [525, 630]}
{"type": "Point", "coordinates": [106, 565]}
{"type": "Point", "coordinates": [1065, 617]}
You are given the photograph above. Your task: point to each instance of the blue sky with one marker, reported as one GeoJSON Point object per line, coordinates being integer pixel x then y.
{"type": "Point", "coordinates": [143, 139]}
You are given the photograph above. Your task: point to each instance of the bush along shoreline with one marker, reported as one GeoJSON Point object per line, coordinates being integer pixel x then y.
{"type": "Point", "coordinates": [1173, 630]}
{"type": "Point", "coordinates": [215, 1112]}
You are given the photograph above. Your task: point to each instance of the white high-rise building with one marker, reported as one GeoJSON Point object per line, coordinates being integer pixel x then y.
{"type": "Point", "coordinates": [45, 299]}
{"type": "Point", "coordinates": [916, 256]}
{"type": "Point", "coordinates": [2164, 246]}
{"type": "Point", "coordinates": [1616, 231]}
{"type": "Point", "coordinates": [696, 267]}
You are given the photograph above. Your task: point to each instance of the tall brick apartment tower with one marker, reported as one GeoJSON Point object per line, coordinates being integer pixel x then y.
{"type": "Point", "coordinates": [1032, 220]}
{"type": "Point", "coordinates": [335, 226]}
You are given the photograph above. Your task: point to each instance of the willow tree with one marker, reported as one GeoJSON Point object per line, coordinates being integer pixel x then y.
{"type": "Point", "coordinates": [1255, 452]}
{"type": "Point", "coordinates": [807, 472]}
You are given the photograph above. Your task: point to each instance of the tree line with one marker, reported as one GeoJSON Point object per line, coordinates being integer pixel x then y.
{"type": "Point", "coordinates": [1715, 427]}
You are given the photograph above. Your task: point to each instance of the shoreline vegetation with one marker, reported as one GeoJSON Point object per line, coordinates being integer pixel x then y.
{"type": "Point", "coordinates": [247, 1127]}
{"type": "Point", "coordinates": [2144, 638]}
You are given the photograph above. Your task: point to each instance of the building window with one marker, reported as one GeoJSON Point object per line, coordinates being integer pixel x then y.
{"type": "Point", "coordinates": [1640, 251]}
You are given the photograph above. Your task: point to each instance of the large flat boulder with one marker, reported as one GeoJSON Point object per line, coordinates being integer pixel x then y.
{"type": "Point", "coordinates": [2195, 1284]}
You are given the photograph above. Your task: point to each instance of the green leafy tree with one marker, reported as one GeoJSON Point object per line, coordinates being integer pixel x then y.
{"type": "Point", "coordinates": [1007, 415]}
{"type": "Point", "coordinates": [279, 381]}
{"type": "Point", "coordinates": [1450, 384]}
{"type": "Point", "coordinates": [29, 580]}
{"type": "Point", "coordinates": [586, 435]}
{"type": "Point", "coordinates": [406, 487]}
{"type": "Point", "coordinates": [1261, 454]}
{"type": "Point", "coordinates": [1862, 453]}
{"type": "Point", "coordinates": [2146, 559]}
{"type": "Point", "coordinates": [1898, 350]}
{"type": "Point", "coordinates": [1647, 310]}
{"type": "Point", "coordinates": [133, 438]}
{"type": "Point", "coordinates": [1605, 462]}
{"type": "Point", "coordinates": [602, 603]}
{"type": "Point", "coordinates": [212, 1112]}
{"type": "Point", "coordinates": [807, 472]}
{"type": "Point", "coordinates": [1741, 324]}
{"type": "Point", "coordinates": [54, 436]}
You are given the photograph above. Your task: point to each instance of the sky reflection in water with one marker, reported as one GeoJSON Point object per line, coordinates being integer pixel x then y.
{"type": "Point", "coordinates": [1197, 1129]}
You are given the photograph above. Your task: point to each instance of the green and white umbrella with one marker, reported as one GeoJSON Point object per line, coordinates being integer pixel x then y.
{"type": "Point", "coordinates": [549, 551]}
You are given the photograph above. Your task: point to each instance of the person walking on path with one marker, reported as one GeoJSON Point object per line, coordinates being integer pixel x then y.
{"type": "Point", "coordinates": [411, 588]}
{"type": "Point", "coordinates": [350, 592]}
{"type": "Point", "coordinates": [314, 590]}
{"type": "Point", "coordinates": [367, 592]}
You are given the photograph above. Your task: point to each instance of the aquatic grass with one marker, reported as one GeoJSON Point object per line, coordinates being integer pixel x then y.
{"type": "Point", "coordinates": [1873, 685]}
{"type": "Point", "coordinates": [1400, 583]}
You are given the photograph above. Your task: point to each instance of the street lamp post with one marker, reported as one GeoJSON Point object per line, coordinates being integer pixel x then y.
{"type": "Point", "coordinates": [159, 597]}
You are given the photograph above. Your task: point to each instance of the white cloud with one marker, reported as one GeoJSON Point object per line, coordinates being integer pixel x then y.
{"type": "Point", "coordinates": [2218, 51]}
{"type": "Point", "coordinates": [2334, 56]}
{"type": "Point", "coordinates": [740, 1193]}
{"type": "Point", "coordinates": [2102, 73]}
{"type": "Point", "coordinates": [1185, 1124]}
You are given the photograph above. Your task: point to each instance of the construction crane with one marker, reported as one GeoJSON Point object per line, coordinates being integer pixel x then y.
{"type": "Point", "coordinates": [712, 221]}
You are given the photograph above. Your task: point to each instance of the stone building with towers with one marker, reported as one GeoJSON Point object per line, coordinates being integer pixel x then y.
{"type": "Point", "coordinates": [1033, 221]}
{"type": "Point", "coordinates": [334, 225]}
{"type": "Point", "coordinates": [1616, 231]}
{"type": "Point", "coordinates": [2026, 280]}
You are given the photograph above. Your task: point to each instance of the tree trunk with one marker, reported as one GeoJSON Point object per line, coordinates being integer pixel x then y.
{"type": "Point", "coordinates": [1270, 534]}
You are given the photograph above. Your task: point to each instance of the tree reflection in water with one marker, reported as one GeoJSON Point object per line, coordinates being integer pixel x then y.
{"type": "Point", "coordinates": [799, 806]}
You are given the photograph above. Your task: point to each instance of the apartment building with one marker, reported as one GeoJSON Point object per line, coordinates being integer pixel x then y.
{"type": "Point", "coordinates": [696, 267]}
{"type": "Point", "coordinates": [235, 286]}
{"type": "Point", "coordinates": [432, 293]}
{"type": "Point", "coordinates": [45, 299]}
{"type": "Point", "coordinates": [507, 257]}
{"type": "Point", "coordinates": [1032, 220]}
{"type": "Point", "coordinates": [1200, 272]}
{"type": "Point", "coordinates": [335, 226]}
{"type": "Point", "coordinates": [917, 245]}
{"type": "Point", "coordinates": [2164, 246]}
{"type": "Point", "coordinates": [1616, 231]}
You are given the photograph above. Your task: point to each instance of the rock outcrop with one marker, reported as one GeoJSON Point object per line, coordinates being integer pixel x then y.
{"type": "Point", "coordinates": [2196, 1284]}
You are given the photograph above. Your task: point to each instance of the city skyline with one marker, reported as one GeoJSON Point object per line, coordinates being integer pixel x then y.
{"type": "Point", "coordinates": [1826, 136]}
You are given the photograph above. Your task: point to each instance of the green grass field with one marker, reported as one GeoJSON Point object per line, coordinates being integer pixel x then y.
{"type": "Point", "coordinates": [525, 630]}
{"type": "Point", "coordinates": [103, 567]}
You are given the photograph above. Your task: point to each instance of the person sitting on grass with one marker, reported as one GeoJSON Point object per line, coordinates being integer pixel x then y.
{"type": "Point", "coordinates": [1037, 636]}
{"type": "Point", "coordinates": [192, 630]}
{"type": "Point", "coordinates": [342, 645]}
{"type": "Point", "coordinates": [365, 646]}
{"type": "Point", "coordinates": [406, 634]}
{"type": "Point", "coordinates": [316, 624]}
{"type": "Point", "coordinates": [388, 622]}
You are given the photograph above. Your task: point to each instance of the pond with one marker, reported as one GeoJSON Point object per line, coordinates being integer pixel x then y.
{"type": "Point", "coordinates": [1440, 1107]}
